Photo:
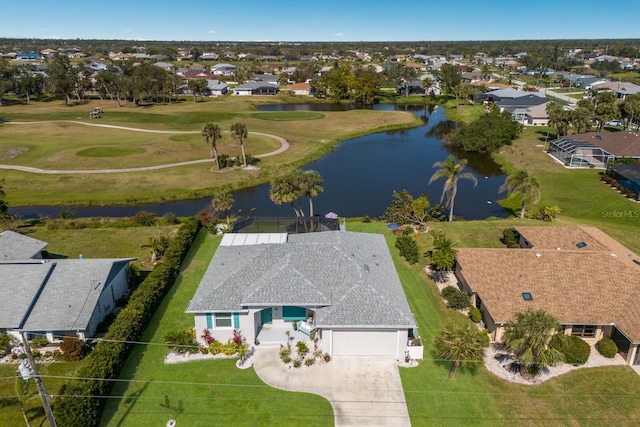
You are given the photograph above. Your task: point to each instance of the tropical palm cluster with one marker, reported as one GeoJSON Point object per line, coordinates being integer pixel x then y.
{"type": "Point", "coordinates": [294, 185]}
{"type": "Point", "coordinates": [212, 133]}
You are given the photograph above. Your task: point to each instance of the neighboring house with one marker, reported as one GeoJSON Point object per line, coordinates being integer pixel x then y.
{"type": "Point", "coordinates": [56, 297]}
{"type": "Point", "coordinates": [217, 88]}
{"type": "Point", "coordinates": [300, 89]}
{"type": "Point", "coordinates": [517, 102]}
{"type": "Point", "coordinates": [342, 283]}
{"type": "Point", "coordinates": [30, 56]}
{"type": "Point", "coordinates": [16, 246]}
{"type": "Point", "coordinates": [223, 69]}
{"type": "Point", "coordinates": [410, 88]}
{"type": "Point", "coordinates": [536, 115]}
{"type": "Point", "coordinates": [256, 88]}
{"type": "Point", "coordinates": [621, 89]}
{"type": "Point", "coordinates": [584, 278]}
{"type": "Point", "coordinates": [595, 149]}
{"type": "Point", "coordinates": [164, 65]}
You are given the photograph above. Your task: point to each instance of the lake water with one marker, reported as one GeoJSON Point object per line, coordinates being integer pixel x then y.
{"type": "Point", "coordinates": [359, 175]}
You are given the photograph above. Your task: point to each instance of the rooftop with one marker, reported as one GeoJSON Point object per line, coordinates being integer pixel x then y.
{"type": "Point", "coordinates": [595, 284]}
{"type": "Point", "coordinates": [14, 246]}
{"type": "Point", "coordinates": [620, 144]}
{"type": "Point", "coordinates": [349, 276]}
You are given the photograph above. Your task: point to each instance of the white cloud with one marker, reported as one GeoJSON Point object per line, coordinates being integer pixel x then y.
{"type": "Point", "coordinates": [338, 34]}
{"type": "Point", "coordinates": [211, 32]}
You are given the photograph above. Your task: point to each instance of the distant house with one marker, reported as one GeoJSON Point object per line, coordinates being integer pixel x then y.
{"type": "Point", "coordinates": [536, 115]}
{"type": "Point", "coordinates": [30, 56]}
{"type": "Point", "coordinates": [300, 89]}
{"type": "Point", "coordinates": [341, 284]}
{"type": "Point", "coordinates": [621, 89]}
{"type": "Point", "coordinates": [517, 102]}
{"type": "Point", "coordinates": [410, 88]}
{"type": "Point", "coordinates": [256, 88]}
{"type": "Point", "coordinates": [595, 149]}
{"type": "Point", "coordinates": [164, 65]}
{"type": "Point", "coordinates": [56, 297]}
{"type": "Point", "coordinates": [584, 278]}
{"type": "Point", "coordinates": [223, 69]}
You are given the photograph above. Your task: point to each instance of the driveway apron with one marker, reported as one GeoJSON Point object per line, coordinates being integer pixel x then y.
{"type": "Point", "coordinates": [363, 391]}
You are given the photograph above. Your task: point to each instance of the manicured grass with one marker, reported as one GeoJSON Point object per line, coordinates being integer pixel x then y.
{"type": "Point", "coordinates": [582, 197]}
{"type": "Point", "coordinates": [289, 115]}
{"type": "Point", "coordinates": [10, 414]}
{"type": "Point", "coordinates": [56, 144]}
{"type": "Point", "coordinates": [594, 396]}
{"type": "Point", "coordinates": [201, 393]}
{"type": "Point", "coordinates": [109, 152]}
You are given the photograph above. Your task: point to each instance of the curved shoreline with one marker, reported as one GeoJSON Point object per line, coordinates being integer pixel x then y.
{"type": "Point", "coordinates": [284, 146]}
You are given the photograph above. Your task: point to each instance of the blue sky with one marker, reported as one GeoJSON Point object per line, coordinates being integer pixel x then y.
{"type": "Point", "coordinates": [326, 20]}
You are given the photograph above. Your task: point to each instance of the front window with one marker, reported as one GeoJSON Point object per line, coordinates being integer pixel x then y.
{"type": "Point", "coordinates": [583, 331]}
{"type": "Point", "coordinates": [223, 320]}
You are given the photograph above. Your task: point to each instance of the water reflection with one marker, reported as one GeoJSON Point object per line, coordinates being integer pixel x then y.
{"type": "Point", "coordinates": [360, 175]}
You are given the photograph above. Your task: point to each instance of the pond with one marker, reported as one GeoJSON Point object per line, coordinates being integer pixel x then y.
{"type": "Point", "coordinates": [359, 175]}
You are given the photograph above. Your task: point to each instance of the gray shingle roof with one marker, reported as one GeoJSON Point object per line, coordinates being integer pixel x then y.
{"type": "Point", "coordinates": [14, 246]}
{"type": "Point", "coordinates": [349, 276]}
{"type": "Point", "coordinates": [61, 294]}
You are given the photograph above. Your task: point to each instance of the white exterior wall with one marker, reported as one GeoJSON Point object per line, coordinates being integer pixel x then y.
{"type": "Point", "coordinates": [111, 293]}
{"type": "Point", "coordinates": [246, 92]}
{"type": "Point", "coordinates": [247, 326]}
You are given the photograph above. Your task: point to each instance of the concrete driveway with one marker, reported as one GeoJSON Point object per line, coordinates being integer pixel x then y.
{"type": "Point", "coordinates": [362, 390]}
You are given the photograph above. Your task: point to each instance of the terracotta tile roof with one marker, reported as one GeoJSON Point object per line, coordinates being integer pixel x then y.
{"type": "Point", "coordinates": [577, 286]}
{"type": "Point", "coordinates": [617, 143]}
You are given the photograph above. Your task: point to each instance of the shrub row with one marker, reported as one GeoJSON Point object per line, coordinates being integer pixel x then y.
{"type": "Point", "coordinates": [408, 248]}
{"type": "Point", "coordinates": [576, 350]}
{"type": "Point", "coordinates": [80, 403]}
{"type": "Point", "coordinates": [456, 299]}
{"type": "Point", "coordinates": [623, 190]}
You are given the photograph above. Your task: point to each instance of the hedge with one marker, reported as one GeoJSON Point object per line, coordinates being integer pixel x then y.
{"type": "Point", "coordinates": [607, 347]}
{"type": "Point", "coordinates": [79, 403]}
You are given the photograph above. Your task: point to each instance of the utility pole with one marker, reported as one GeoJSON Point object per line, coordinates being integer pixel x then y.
{"type": "Point", "coordinates": [36, 376]}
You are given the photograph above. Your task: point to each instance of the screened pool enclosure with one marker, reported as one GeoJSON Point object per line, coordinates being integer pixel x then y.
{"type": "Point", "coordinates": [579, 154]}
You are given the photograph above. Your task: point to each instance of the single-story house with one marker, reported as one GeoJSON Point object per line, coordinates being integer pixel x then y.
{"type": "Point", "coordinates": [584, 278]}
{"type": "Point", "coordinates": [56, 297]}
{"type": "Point", "coordinates": [300, 89]}
{"type": "Point", "coordinates": [256, 88]}
{"type": "Point", "coordinates": [16, 246]}
{"type": "Point", "coordinates": [223, 69]}
{"type": "Point", "coordinates": [410, 88]}
{"type": "Point", "coordinates": [342, 284]}
{"type": "Point", "coordinates": [60, 297]}
{"type": "Point", "coordinates": [595, 148]}
{"type": "Point", "coordinates": [536, 115]}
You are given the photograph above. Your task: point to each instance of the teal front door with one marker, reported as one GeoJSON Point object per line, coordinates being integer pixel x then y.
{"type": "Point", "coordinates": [266, 316]}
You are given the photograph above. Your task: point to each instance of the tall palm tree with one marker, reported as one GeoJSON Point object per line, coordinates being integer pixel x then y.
{"type": "Point", "coordinates": [520, 181]}
{"type": "Point", "coordinates": [239, 132]}
{"type": "Point", "coordinates": [285, 189]}
{"type": "Point", "coordinates": [529, 337]}
{"type": "Point", "coordinates": [460, 344]}
{"type": "Point", "coordinates": [222, 201]}
{"type": "Point", "coordinates": [310, 186]}
{"type": "Point", "coordinates": [211, 133]}
{"type": "Point", "coordinates": [451, 172]}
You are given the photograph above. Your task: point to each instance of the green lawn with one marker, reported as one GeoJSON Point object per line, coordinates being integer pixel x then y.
{"type": "Point", "coordinates": [63, 145]}
{"type": "Point", "coordinates": [201, 393]}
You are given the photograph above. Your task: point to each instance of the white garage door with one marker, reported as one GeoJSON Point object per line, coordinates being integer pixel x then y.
{"type": "Point", "coordinates": [365, 343]}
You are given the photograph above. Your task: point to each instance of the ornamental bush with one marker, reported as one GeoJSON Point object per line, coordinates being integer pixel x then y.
{"type": "Point", "coordinates": [475, 315]}
{"type": "Point", "coordinates": [576, 350]}
{"type": "Point", "coordinates": [447, 292]}
{"type": "Point", "coordinates": [459, 301]}
{"type": "Point", "coordinates": [607, 347]}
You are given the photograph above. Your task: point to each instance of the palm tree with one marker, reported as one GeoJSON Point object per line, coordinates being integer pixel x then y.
{"type": "Point", "coordinates": [222, 201]}
{"type": "Point", "coordinates": [211, 133]}
{"type": "Point", "coordinates": [310, 186]}
{"type": "Point", "coordinates": [460, 344]}
{"type": "Point", "coordinates": [451, 172]}
{"type": "Point", "coordinates": [520, 181]}
{"type": "Point", "coordinates": [239, 132]}
{"type": "Point", "coordinates": [285, 189]}
{"type": "Point", "coordinates": [529, 337]}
